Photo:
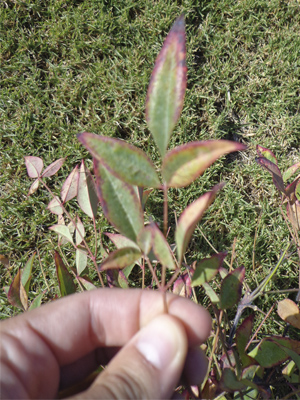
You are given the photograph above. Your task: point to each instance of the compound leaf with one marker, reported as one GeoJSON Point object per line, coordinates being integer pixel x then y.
{"type": "Point", "coordinates": [34, 166]}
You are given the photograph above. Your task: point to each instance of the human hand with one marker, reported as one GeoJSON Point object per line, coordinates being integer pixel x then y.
{"type": "Point", "coordinates": [147, 347]}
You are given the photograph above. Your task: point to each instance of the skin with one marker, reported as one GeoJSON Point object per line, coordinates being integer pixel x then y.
{"type": "Point", "coordinates": [147, 339]}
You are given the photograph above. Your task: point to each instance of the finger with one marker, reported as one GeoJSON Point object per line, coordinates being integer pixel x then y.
{"type": "Point", "coordinates": [148, 367]}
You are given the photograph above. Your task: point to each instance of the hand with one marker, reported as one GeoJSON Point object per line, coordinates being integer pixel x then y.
{"type": "Point", "coordinates": [147, 338]}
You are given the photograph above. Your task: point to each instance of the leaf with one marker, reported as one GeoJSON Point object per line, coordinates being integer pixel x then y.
{"type": "Point", "coordinates": [81, 261]}
{"type": "Point", "coordinates": [119, 201]}
{"type": "Point", "coordinates": [185, 163]}
{"type": "Point", "coordinates": [293, 213]}
{"type": "Point", "coordinates": [55, 206]}
{"type": "Point", "coordinates": [122, 280]}
{"type": "Point", "coordinates": [145, 196]}
{"type": "Point", "coordinates": [167, 86]}
{"type": "Point", "coordinates": [53, 168]}
{"type": "Point", "coordinates": [182, 286]}
{"type": "Point", "coordinates": [62, 230]}
{"type": "Point", "coordinates": [290, 171]}
{"type": "Point", "coordinates": [34, 166]}
{"type": "Point", "coordinates": [65, 279]}
{"type": "Point", "coordinates": [289, 312]}
{"type": "Point", "coordinates": [243, 334]}
{"type": "Point", "coordinates": [86, 195]}
{"type": "Point", "coordinates": [26, 273]}
{"type": "Point", "coordinates": [230, 382]}
{"type": "Point", "coordinates": [121, 258]}
{"type": "Point", "coordinates": [161, 248]}
{"type": "Point", "coordinates": [80, 232]}
{"type": "Point", "coordinates": [190, 218]}
{"type": "Point", "coordinates": [266, 153]}
{"type": "Point", "coordinates": [231, 288]}
{"type": "Point", "coordinates": [86, 284]}
{"type": "Point", "coordinates": [274, 170]}
{"type": "Point", "coordinates": [125, 161]}
{"type": "Point", "coordinates": [69, 189]}
{"type": "Point", "coordinates": [207, 269]}
{"type": "Point", "coordinates": [34, 187]}
{"type": "Point", "coordinates": [17, 295]}
{"type": "Point", "coordinates": [121, 241]}
{"type": "Point", "coordinates": [214, 298]}
{"type": "Point", "coordinates": [36, 302]}
{"type": "Point", "coordinates": [144, 239]}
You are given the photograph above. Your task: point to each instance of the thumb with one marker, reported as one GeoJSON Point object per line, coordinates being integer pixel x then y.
{"type": "Point", "coordinates": [148, 367]}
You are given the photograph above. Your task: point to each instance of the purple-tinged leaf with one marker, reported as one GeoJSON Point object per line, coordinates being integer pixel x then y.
{"type": "Point", "coordinates": [17, 295]}
{"type": "Point", "coordinates": [207, 269]}
{"type": "Point", "coordinates": [34, 187]}
{"type": "Point", "coordinates": [293, 213]}
{"type": "Point", "coordinates": [36, 302]}
{"type": "Point", "coordinates": [119, 201]}
{"type": "Point", "coordinates": [86, 284]}
{"type": "Point", "coordinates": [243, 334]}
{"type": "Point", "coordinates": [26, 273]}
{"type": "Point", "coordinates": [123, 281]}
{"type": "Point", "coordinates": [81, 261]}
{"type": "Point", "coordinates": [87, 196]}
{"type": "Point", "coordinates": [167, 86]}
{"type": "Point", "coordinates": [266, 153]}
{"type": "Point", "coordinates": [161, 248]}
{"type": "Point", "coordinates": [55, 206]}
{"type": "Point", "coordinates": [274, 170]}
{"type": "Point", "coordinates": [125, 161]}
{"type": "Point", "coordinates": [69, 189]}
{"type": "Point", "coordinates": [290, 171]}
{"type": "Point", "coordinates": [185, 163]}
{"type": "Point", "coordinates": [291, 353]}
{"type": "Point", "coordinates": [291, 188]}
{"type": "Point", "coordinates": [62, 230]}
{"type": "Point", "coordinates": [80, 232]}
{"type": "Point", "coordinates": [121, 241]}
{"type": "Point", "coordinates": [190, 218]}
{"type": "Point", "coordinates": [34, 166]}
{"type": "Point", "coordinates": [53, 168]}
{"type": "Point", "coordinates": [112, 278]}
{"type": "Point", "coordinates": [65, 279]}
{"type": "Point", "coordinates": [120, 258]}
{"type": "Point", "coordinates": [297, 190]}
{"type": "Point", "coordinates": [231, 288]}
{"type": "Point", "coordinates": [182, 286]}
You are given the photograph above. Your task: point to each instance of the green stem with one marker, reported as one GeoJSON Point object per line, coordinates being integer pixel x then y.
{"type": "Point", "coordinates": [165, 210]}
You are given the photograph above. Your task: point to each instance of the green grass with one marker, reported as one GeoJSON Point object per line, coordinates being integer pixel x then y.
{"type": "Point", "coordinates": [69, 66]}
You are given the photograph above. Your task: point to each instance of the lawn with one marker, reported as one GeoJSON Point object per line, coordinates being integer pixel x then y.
{"type": "Point", "coordinates": [72, 66]}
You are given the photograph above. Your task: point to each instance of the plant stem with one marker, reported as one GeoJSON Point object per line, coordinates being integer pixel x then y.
{"type": "Point", "coordinates": [165, 188]}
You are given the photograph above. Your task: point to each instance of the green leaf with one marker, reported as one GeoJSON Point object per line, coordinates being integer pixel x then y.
{"type": "Point", "coordinates": [185, 163]}
{"type": "Point", "coordinates": [119, 201]}
{"type": "Point", "coordinates": [231, 288]}
{"type": "Point", "coordinates": [190, 218]}
{"type": "Point", "coordinates": [290, 171]}
{"type": "Point", "coordinates": [62, 230]}
{"type": "Point", "coordinates": [55, 206]}
{"type": "Point", "coordinates": [17, 295]}
{"type": "Point", "coordinates": [207, 269]}
{"type": "Point", "coordinates": [36, 302]}
{"type": "Point", "coordinates": [230, 382]}
{"type": "Point", "coordinates": [81, 261]}
{"type": "Point", "coordinates": [121, 258]}
{"type": "Point", "coordinates": [167, 86]}
{"type": "Point", "coordinates": [161, 248]}
{"type": "Point", "coordinates": [274, 170]}
{"type": "Point", "coordinates": [86, 195]}
{"type": "Point", "coordinates": [266, 153]}
{"type": "Point", "coordinates": [26, 273]}
{"type": "Point", "coordinates": [125, 161]}
{"type": "Point", "coordinates": [80, 231]}
{"type": "Point", "coordinates": [65, 279]}
{"type": "Point", "coordinates": [121, 241]}
{"type": "Point", "coordinates": [144, 239]}
{"type": "Point", "coordinates": [86, 283]}
{"type": "Point", "coordinates": [214, 298]}
{"type": "Point", "coordinates": [291, 353]}
{"type": "Point", "coordinates": [243, 334]}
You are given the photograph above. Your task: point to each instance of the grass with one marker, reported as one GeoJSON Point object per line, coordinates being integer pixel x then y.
{"type": "Point", "coordinates": [72, 66]}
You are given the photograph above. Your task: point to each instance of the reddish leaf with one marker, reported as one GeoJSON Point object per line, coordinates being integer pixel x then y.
{"type": "Point", "coordinates": [190, 218]}
{"type": "Point", "coordinates": [243, 334]}
{"type": "Point", "coordinates": [65, 279]}
{"type": "Point", "coordinates": [290, 171]}
{"type": "Point", "coordinates": [167, 86]}
{"type": "Point", "coordinates": [34, 166]}
{"type": "Point", "coordinates": [69, 189]}
{"type": "Point", "coordinates": [231, 288]}
{"type": "Point", "coordinates": [293, 213]}
{"type": "Point", "coordinates": [266, 153]}
{"type": "Point", "coordinates": [207, 269]}
{"type": "Point", "coordinates": [125, 161]}
{"type": "Point", "coordinates": [291, 188]}
{"type": "Point", "coordinates": [34, 187]}
{"type": "Point", "coordinates": [182, 286]}
{"type": "Point", "coordinates": [86, 195]}
{"type": "Point", "coordinates": [274, 170]}
{"type": "Point", "coordinates": [53, 168]}
{"type": "Point", "coordinates": [17, 295]}
{"type": "Point", "coordinates": [121, 258]}
{"type": "Point", "coordinates": [185, 163]}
